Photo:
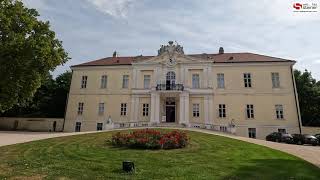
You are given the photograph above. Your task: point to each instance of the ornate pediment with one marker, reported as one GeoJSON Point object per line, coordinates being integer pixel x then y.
{"type": "Point", "coordinates": [169, 55]}
{"type": "Point", "coordinates": [170, 49]}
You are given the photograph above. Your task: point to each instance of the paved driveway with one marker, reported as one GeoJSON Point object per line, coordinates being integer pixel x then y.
{"type": "Point", "coordinates": [308, 153]}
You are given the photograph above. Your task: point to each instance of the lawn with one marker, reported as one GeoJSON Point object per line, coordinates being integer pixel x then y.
{"type": "Point", "coordinates": [207, 157]}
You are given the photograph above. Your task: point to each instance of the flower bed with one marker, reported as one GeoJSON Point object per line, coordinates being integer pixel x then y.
{"type": "Point", "coordinates": [150, 139]}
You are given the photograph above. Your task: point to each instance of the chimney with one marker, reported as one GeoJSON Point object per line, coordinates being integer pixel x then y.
{"type": "Point", "coordinates": [114, 54]}
{"type": "Point", "coordinates": [221, 51]}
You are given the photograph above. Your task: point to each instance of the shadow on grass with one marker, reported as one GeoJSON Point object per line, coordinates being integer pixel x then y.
{"type": "Point", "coordinates": [272, 168]}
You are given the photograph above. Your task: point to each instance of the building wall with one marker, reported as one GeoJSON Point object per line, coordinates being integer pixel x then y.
{"type": "Point", "coordinates": [310, 130]}
{"type": "Point", "coordinates": [30, 124]}
{"type": "Point", "coordinates": [235, 96]}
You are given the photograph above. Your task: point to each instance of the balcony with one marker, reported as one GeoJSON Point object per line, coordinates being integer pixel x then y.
{"type": "Point", "coordinates": [169, 87]}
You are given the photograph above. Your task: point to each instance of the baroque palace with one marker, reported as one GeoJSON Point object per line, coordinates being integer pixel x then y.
{"type": "Point", "coordinates": [246, 94]}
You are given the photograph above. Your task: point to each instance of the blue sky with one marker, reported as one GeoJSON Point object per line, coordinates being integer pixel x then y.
{"type": "Point", "coordinates": [92, 29]}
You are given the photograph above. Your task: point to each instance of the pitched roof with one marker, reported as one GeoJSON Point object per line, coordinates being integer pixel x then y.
{"type": "Point", "coordinates": [216, 58]}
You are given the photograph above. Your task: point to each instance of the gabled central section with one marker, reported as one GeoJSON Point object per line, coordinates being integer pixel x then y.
{"type": "Point", "coordinates": [169, 55]}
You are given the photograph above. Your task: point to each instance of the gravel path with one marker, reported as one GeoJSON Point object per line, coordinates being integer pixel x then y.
{"type": "Point", "coordinates": [308, 153]}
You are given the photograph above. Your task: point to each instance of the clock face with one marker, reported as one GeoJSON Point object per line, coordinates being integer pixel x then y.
{"type": "Point", "coordinates": [171, 62]}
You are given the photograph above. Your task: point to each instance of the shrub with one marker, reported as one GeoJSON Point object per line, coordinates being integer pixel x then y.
{"type": "Point", "coordinates": [150, 139]}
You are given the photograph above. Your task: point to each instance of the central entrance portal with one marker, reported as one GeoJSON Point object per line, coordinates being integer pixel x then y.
{"type": "Point", "coordinates": [170, 110]}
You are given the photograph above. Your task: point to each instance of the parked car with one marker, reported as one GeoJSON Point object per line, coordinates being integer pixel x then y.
{"type": "Point", "coordinates": [280, 137]}
{"type": "Point", "coordinates": [318, 137]}
{"type": "Point", "coordinates": [305, 139]}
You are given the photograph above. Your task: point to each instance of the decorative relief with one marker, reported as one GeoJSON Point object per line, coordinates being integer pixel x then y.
{"type": "Point", "coordinates": [171, 49]}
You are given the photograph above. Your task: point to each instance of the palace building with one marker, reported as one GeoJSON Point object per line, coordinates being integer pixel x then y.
{"type": "Point", "coordinates": [247, 94]}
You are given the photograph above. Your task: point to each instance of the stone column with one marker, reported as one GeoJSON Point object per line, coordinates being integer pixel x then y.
{"type": "Point", "coordinates": [184, 108]}
{"type": "Point", "coordinates": [210, 79]}
{"type": "Point", "coordinates": [204, 83]}
{"type": "Point", "coordinates": [134, 113]}
{"type": "Point", "coordinates": [155, 108]}
{"type": "Point", "coordinates": [208, 108]}
{"type": "Point", "coordinates": [134, 78]}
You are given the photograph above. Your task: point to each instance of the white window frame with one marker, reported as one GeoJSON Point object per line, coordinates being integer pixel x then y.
{"type": "Point", "coordinates": [196, 110]}
{"type": "Point", "coordinates": [222, 111]}
{"type": "Point", "coordinates": [80, 108]}
{"type": "Point", "coordinates": [195, 81]}
{"type": "Point", "coordinates": [275, 76]}
{"type": "Point", "coordinates": [145, 109]}
{"type": "Point", "coordinates": [220, 80]}
{"type": "Point", "coordinates": [252, 133]}
{"type": "Point", "coordinates": [279, 111]}
{"type": "Point", "coordinates": [247, 79]}
{"type": "Point", "coordinates": [84, 80]}
{"type": "Point", "coordinates": [146, 81]}
{"type": "Point", "coordinates": [77, 127]}
{"type": "Point", "coordinates": [101, 108]}
{"type": "Point", "coordinates": [123, 109]}
{"type": "Point", "coordinates": [104, 82]}
{"type": "Point", "coordinates": [125, 81]}
{"type": "Point", "coordinates": [249, 111]}
{"type": "Point", "coordinates": [99, 126]}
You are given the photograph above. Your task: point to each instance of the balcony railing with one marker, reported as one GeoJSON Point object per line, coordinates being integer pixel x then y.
{"type": "Point", "coordinates": [169, 87]}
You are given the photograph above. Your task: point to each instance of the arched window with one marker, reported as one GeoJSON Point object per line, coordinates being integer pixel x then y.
{"type": "Point", "coordinates": [171, 77]}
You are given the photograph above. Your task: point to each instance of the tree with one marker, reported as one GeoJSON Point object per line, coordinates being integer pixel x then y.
{"type": "Point", "coordinates": [28, 51]}
{"type": "Point", "coordinates": [48, 101]}
{"type": "Point", "coordinates": [309, 98]}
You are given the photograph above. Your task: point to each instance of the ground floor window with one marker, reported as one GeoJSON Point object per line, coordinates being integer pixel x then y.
{"type": "Point", "coordinates": [145, 109]}
{"type": "Point", "coordinates": [123, 110]}
{"type": "Point", "coordinates": [99, 126]}
{"type": "Point", "coordinates": [195, 110]}
{"type": "Point", "coordinates": [223, 128]}
{"type": "Point", "coordinates": [78, 127]}
{"type": "Point", "coordinates": [252, 132]}
{"type": "Point", "coordinates": [282, 131]}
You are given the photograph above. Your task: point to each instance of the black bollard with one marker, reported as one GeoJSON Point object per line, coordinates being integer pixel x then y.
{"type": "Point", "coordinates": [127, 166]}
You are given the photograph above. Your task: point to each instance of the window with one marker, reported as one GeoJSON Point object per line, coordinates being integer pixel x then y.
{"type": "Point", "coordinates": [223, 128]}
{"type": "Point", "coordinates": [252, 132]}
{"type": "Point", "coordinates": [282, 131]}
{"type": "Point", "coordinates": [222, 110]}
{"type": "Point", "coordinates": [250, 111]}
{"type": "Point", "coordinates": [104, 82]}
{"type": "Point", "coordinates": [145, 110]}
{"type": "Point", "coordinates": [247, 80]}
{"type": "Point", "coordinates": [195, 110]}
{"type": "Point", "coordinates": [80, 108]}
{"type": "Point", "coordinates": [220, 80]}
{"type": "Point", "coordinates": [123, 110]}
{"type": "Point", "coordinates": [101, 109]}
{"type": "Point", "coordinates": [279, 111]}
{"type": "Point", "coordinates": [275, 80]}
{"type": "Point", "coordinates": [171, 77]}
{"type": "Point", "coordinates": [146, 81]}
{"type": "Point", "coordinates": [125, 81]}
{"type": "Point", "coordinates": [78, 127]}
{"type": "Point", "coordinates": [84, 82]}
{"type": "Point", "coordinates": [99, 126]}
{"type": "Point", "coordinates": [195, 81]}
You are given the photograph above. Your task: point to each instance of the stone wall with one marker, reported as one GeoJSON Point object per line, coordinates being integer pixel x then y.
{"type": "Point", "coordinates": [310, 130]}
{"type": "Point", "coordinates": [31, 124]}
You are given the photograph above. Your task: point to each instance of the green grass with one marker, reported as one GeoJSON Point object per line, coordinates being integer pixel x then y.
{"type": "Point", "coordinates": [207, 157]}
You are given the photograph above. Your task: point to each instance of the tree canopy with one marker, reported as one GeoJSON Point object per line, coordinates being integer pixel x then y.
{"type": "Point", "coordinates": [29, 50]}
{"type": "Point", "coordinates": [49, 100]}
{"type": "Point", "coordinates": [309, 98]}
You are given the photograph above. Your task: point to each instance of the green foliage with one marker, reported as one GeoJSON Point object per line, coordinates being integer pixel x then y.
{"type": "Point", "coordinates": [28, 51]}
{"type": "Point", "coordinates": [48, 101]}
{"type": "Point", "coordinates": [309, 98]}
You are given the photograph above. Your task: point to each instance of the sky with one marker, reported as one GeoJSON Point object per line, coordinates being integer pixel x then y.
{"type": "Point", "coordinates": [93, 29]}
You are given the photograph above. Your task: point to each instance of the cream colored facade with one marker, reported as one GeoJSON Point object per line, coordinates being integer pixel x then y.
{"type": "Point", "coordinates": [194, 102]}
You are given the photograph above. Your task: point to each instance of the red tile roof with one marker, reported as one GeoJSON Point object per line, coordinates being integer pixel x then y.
{"type": "Point", "coordinates": [216, 58]}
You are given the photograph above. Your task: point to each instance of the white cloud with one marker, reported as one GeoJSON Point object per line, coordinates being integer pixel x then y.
{"type": "Point", "coordinates": [115, 8]}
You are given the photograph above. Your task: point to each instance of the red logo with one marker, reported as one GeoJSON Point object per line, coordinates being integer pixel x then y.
{"type": "Point", "coordinates": [297, 6]}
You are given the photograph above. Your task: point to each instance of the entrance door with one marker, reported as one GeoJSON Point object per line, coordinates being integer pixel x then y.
{"type": "Point", "coordinates": [170, 111]}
